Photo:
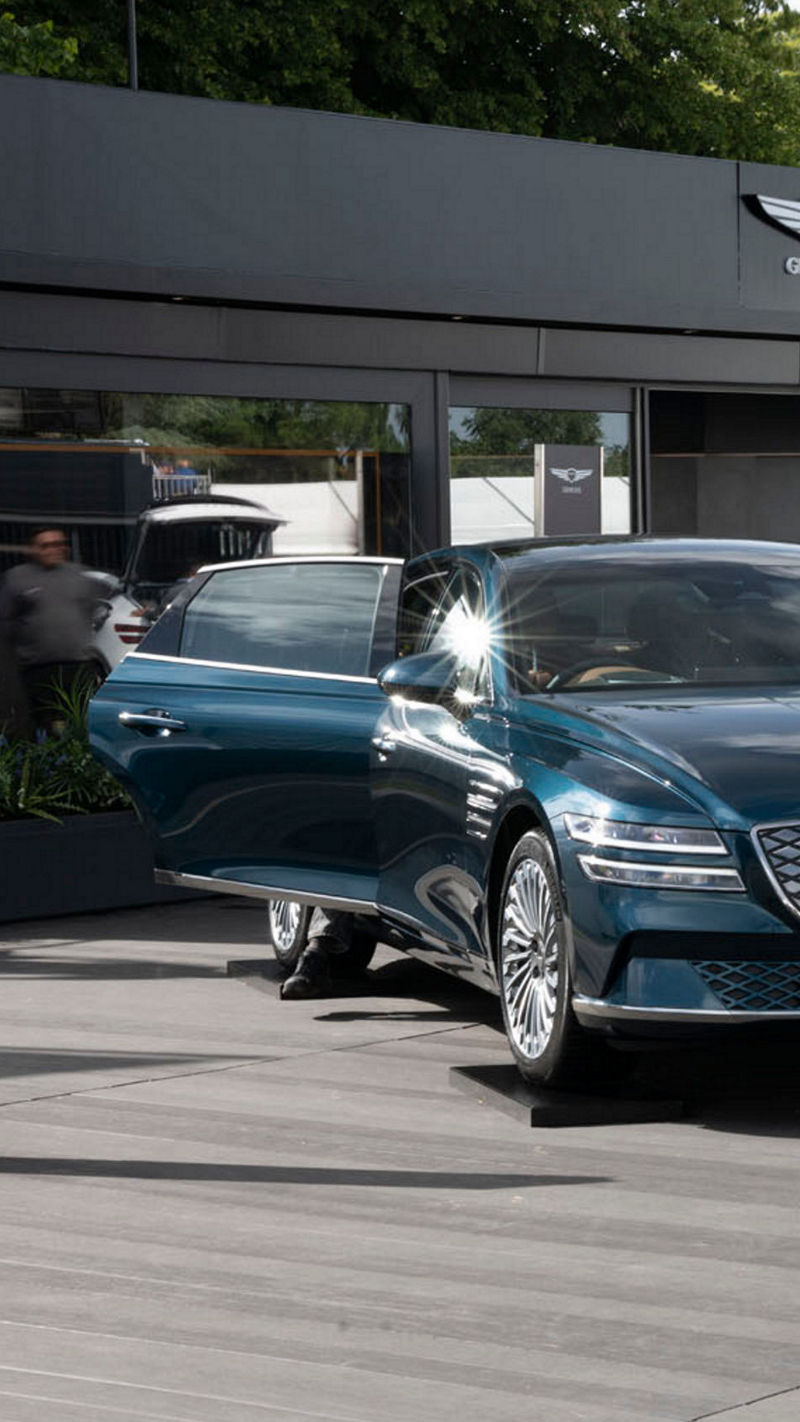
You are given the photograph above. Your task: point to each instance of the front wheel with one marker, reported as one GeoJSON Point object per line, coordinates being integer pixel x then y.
{"type": "Point", "coordinates": [549, 1046]}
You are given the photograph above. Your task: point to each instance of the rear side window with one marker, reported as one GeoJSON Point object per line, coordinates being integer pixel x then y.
{"type": "Point", "coordinates": [316, 617]}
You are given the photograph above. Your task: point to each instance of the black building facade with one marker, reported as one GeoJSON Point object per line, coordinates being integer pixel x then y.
{"type": "Point", "coordinates": [374, 327]}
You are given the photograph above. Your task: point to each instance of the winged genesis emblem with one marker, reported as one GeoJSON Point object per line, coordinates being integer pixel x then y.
{"type": "Point", "coordinates": [572, 476]}
{"type": "Point", "coordinates": [782, 211]}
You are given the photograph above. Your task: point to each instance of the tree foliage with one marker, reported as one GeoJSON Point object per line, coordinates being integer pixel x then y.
{"type": "Point", "coordinates": [34, 49]}
{"type": "Point", "coordinates": [490, 441]}
{"type": "Point", "coordinates": [227, 421]}
{"type": "Point", "coordinates": [495, 430]}
{"type": "Point", "coordinates": [716, 77]}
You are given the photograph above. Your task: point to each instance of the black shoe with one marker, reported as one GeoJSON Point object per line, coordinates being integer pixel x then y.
{"type": "Point", "coordinates": [310, 978]}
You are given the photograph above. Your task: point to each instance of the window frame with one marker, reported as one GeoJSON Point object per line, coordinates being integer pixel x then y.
{"type": "Point", "coordinates": [447, 575]}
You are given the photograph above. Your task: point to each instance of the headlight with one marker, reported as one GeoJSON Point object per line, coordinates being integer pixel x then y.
{"type": "Point", "coordinates": [659, 876]}
{"type": "Point", "coordinates": [660, 839]}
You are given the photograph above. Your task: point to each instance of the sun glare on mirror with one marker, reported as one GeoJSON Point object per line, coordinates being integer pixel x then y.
{"type": "Point", "coordinates": [467, 636]}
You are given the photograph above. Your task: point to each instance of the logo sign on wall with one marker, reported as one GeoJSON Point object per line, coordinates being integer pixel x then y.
{"type": "Point", "coordinates": [567, 489]}
{"type": "Point", "coordinates": [782, 213]}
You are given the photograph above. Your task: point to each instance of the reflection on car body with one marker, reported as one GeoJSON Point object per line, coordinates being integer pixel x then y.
{"type": "Point", "coordinates": [567, 770]}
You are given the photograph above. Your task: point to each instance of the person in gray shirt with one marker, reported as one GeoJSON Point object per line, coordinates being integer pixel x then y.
{"type": "Point", "coordinates": [47, 605]}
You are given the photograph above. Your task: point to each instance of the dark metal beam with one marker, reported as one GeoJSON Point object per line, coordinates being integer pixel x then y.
{"type": "Point", "coordinates": [133, 58]}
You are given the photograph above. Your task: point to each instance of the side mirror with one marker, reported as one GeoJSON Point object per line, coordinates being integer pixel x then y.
{"type": "Point", "coordinates": [427, 676]}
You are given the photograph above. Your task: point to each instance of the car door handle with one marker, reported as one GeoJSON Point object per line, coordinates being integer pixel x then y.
{"type": "Point", "coordinates": [151, 723]}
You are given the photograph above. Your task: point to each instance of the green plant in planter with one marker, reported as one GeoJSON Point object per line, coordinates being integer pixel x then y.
{"type": "Point", "coordinates": [57, 776]}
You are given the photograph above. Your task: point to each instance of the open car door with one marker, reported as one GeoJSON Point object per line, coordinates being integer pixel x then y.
{"type": "Point", "coordinates": [242, 728]}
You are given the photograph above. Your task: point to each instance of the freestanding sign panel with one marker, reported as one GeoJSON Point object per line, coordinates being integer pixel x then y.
{"type": "Point", "coordinates": [568, 483]}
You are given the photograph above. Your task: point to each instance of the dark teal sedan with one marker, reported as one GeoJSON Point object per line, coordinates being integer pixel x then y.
{"type": "Point", "coordinates": [569, 772]}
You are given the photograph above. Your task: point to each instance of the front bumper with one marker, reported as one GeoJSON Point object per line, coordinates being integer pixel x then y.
{"type": "Point", "coordinates": [697, 990]}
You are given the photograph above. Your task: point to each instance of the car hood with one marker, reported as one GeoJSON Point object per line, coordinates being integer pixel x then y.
{"type": "Point", "coordinates": [738, 748]}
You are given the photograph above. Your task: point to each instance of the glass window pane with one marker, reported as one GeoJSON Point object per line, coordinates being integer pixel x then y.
{"type": "Point", "coordinates": [299, 616]}
{"type": "Point", "coordinates": [446, 614]}
{"type": "Point", "coordinates": [335, 473]}
{"type": "Point", "coordinates": [493, 462]}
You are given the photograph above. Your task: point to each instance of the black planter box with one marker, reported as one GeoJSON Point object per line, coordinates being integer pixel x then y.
{"type": "Point", "coordinates": [85, 863]}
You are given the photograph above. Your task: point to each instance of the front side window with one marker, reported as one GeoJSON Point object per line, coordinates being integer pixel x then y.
{"type": "Point", "coordinates": [313, 617]}
{"type": "Point", "coordinates": [445, 613]}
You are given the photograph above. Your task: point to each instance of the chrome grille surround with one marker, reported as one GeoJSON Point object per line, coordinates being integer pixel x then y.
{"type": "Point", "coordinates": [752, 985]}
{"type": "Point", "coordinates": [778, 848]}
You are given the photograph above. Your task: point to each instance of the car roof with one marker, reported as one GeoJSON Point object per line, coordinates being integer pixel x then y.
{"type": "Point", "coordinates": [645, 549]}
{"type": "Point", "coordinates": [210, 507]}
{"type": "Point", "coordinates": [536, 553]}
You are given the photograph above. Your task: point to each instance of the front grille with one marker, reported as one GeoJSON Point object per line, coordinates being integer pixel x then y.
{"type": "Point", "coordinates": [780, 852]}
{"type": "Point", "coordinates": [753, 986]}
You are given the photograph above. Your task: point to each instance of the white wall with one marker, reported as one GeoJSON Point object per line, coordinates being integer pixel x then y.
{"type": "Point", "coordinates": [322, 517]}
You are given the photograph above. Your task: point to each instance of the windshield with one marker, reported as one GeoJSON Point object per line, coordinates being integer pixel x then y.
{"type": "Point", "coordinates": [607, 625]}
{"type": "Point", "coordinates": [171, 551]}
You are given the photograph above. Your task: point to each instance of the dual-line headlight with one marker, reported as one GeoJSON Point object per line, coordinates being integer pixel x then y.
{"type": "Point", "coordinates": [599, 833]}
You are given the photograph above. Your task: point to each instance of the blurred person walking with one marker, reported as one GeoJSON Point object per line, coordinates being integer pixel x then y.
{"type": "Point", "coordinates": [46, 609]}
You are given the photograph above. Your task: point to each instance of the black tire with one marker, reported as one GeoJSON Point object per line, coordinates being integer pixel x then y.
{"type": "Point", "coordinates": [534, 973]}
{"type": "Point", "coordinates": [287, 934]}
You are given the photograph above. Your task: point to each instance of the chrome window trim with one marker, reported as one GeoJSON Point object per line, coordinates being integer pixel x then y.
{"type": "Point", "coordinates": [735, 884]}
{"type": "Point", "coordinates": [356, 558]}
{"type": "Point", "coordinates": [246, 666]}
{"type": "Point", "coordinates": [765, 864]}
{"type": "Point", "coordinates": [258, 891]}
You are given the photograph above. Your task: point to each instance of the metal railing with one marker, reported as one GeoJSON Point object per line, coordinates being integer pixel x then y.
{"type": "Point", "coordinates": [174, 485]}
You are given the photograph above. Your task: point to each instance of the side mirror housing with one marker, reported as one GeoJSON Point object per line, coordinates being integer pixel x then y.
{"type": "Point", "coordinates": [426, 676]}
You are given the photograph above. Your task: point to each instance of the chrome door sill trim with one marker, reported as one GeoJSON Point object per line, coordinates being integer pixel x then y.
{"type": "Point", "coordinates": [590, 1009]}
{"type": "Point", "coordinates": [259, 891]}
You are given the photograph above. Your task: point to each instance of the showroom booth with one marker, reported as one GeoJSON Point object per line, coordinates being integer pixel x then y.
{"type": "Point", "coordinates": [393, 335]}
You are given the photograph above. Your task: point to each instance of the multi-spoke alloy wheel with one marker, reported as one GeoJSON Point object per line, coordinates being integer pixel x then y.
{"type": "Point", "coordinates": [530, 952]}
{"type": "Point", "coordinates": [287, 929]}
{"type": "Point", "coordinates": [533, 968]}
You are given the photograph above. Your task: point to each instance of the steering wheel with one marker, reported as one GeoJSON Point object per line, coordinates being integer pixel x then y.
{"type": "Point", "coordinates": [567, 674]}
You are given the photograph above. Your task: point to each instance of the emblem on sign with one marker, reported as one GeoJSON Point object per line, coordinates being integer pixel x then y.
{"type": "Point", "coordinates": [781, 211]}
{"type": "Point", "coordinates": [572, 476]}
{"type": "Point", "coordinates": [567, 484]}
